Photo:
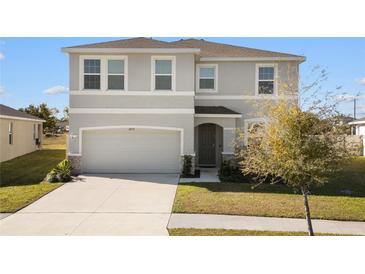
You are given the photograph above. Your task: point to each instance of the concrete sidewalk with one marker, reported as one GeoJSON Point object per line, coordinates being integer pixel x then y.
{"type": "Point", "coordinates": [263, 223]}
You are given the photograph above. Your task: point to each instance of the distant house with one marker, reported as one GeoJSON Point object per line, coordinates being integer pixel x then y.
{"type": "Point", "coordinates": [21, 133]}
{"type": "Point", "coordinates": [359, 126]}
{"type": "Point", "coordinates": [359, 129]}
{"type": "Point", "coordinates": [62, 126]}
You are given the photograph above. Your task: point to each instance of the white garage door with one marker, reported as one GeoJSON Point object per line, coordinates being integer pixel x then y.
{"type": "Point", "coordinates": [131, 151]}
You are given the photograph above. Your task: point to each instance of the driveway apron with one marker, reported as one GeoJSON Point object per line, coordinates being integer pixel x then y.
{"type": "Point", "coordinates": [100, 204]}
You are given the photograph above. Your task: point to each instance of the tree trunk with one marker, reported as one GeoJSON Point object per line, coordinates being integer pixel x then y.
{"type": "Point", "coordinates": [307, 211]}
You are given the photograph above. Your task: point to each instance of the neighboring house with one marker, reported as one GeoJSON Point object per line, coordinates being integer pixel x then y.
{"type": "Point", "coordinates": [359, 129]}
{"type": "Point", "coordinates": [62, 126]}
{"type": "Point", "coordinates": [21, 133]}
{"type": "Point", "coordinates": [359, 126]}
{"type": "Point", "coordinates": [138, 105]}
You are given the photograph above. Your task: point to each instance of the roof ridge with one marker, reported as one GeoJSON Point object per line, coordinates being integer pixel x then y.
{"type": "Point", "coordinates": [235, 46]}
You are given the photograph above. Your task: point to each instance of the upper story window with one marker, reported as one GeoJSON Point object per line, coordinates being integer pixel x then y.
{"type": "Point", "coordinates": [116, 74]}
{"type": "Point", "coordinates": [163, 73]}
{"type": "Point", "coordinates": [91, 74]}
{"type": "Point", "coordinates": [207, 75]}
{"type": "Point", "coordinates": [10, 133]}
{"type": "Point", "coordinates": [266, 79]}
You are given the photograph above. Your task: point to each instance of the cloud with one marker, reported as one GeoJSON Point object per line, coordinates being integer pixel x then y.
{"type": "Point", "coordinates": [2, 56]}
{"type": "Point", "coordinates": [55, 90]}
{"type": "Point", "coordinates": [2, 90]}
{"type": "Point", "coordinates": [362, 81]}
{"type": "Point", "coordinates": [348, 97]}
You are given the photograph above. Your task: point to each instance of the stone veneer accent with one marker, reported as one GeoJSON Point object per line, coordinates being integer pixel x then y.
{"type": "Point", "coordinates": [75, 161]}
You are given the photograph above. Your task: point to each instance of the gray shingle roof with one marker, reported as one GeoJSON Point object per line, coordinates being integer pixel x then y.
{"type": "Point", "coordinates": [8, 111]}
{"type": "Point", "coordinates": [212, 49]}
{"type": "Point", "coordinates": [139, 42]}
{"type": "Point", "coordinates": [213, 110]}
{"type": "Point", "coordinates": [207, 48]}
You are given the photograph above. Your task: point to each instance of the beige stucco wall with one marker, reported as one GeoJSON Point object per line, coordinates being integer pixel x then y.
{"type": "Point", "coordinates": [23, 140]}
{"type": "Point", "coordinates": [131, 101]}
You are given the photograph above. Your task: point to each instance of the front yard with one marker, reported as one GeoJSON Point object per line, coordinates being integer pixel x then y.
{"type": "Point", "coordinates": [22, 177]}
{"type": "Point", "coordinates": [233, 232]}
{"type": "Point", "coordinates": [341, 199]}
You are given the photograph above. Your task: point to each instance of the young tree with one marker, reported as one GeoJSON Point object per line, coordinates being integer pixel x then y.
{"type": "Point", "coordinates": [300, 148]}
{"type": "Point", "coordinates": [66, 114]}
{"type": "Point", "coordinates": [44, 112]}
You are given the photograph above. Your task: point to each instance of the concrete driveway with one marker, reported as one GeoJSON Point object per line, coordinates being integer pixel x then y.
{"type": "Point", "coordinates": [118, 204]}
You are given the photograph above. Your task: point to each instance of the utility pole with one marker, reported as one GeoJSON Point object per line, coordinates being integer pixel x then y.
{"type": "Point", "coordinates": [354, 108]}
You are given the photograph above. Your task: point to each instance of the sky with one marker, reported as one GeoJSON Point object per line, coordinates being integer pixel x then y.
{"type": "Point", "coordinates": [34, 70]}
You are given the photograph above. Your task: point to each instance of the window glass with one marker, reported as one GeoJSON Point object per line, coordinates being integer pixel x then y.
{"type": "Point", "coordinates": [266, 73]}
{"type": "Point", "coordinates": [163, 82]}
{"type": "Point", "coordinates": [92, 81]}
{"type": "Point", "coordinates": [207, 72]}
{"type": "Point", "coordinates": [266, 80]}
{"type": "Point", "coordinates": [115, 81]}
{"type": "Point", "coordinates": [163, 67]}
{"type": "Point", "coordinates": [207, 78]}
{"type": "Point", "coordinates": [266, 87]}
{"type": "Point", "coordinates": [115, 74]}
{"type": "Point", "coordinates": [10, 133]}
{"type": "Point", "coordinates": [116, 66]}
{"type": "Point", "coordinates": [91, 66]}
{"type": "Point", "coordinates": [206, 83]}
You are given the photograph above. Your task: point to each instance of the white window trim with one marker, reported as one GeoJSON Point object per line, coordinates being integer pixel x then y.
{"type": "Point", "coordinates": [103, 71]}
{"type": "Point", "coordinates": [258, 66]}
{"type": "Point", "coordinates": [197, 82]}
{"type": "Point", "coordinates": [249, 121]}
{"type": "Point", "coordinates": [82, 58]}
{"type": "Point", "coordinates": [125, 59]}
{"type": "Point", "coordinates": [173, 72]}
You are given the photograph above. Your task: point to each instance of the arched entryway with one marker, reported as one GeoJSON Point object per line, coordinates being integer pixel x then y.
{"type": "Point", "coordinates": [208, 144]}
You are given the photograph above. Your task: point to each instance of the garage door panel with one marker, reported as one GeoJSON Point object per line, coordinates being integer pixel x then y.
{"type": "Point", "coordinates": [131, 151]}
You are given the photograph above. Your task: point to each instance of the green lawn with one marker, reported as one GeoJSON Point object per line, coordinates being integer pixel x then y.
{"type": "Point", "coordinates": [55, 142]}
{"type": "Point", "coordinates": [327, 202]}
{"type": "Point", "coordinates": [233, 232]}
{"type": "Point", "coordinates": [21, 179]}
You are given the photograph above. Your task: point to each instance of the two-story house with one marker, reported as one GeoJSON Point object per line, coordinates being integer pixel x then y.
{"type": "Point", "coordinates": [138, 105]}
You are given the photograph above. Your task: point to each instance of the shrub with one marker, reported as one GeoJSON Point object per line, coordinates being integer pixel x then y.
{"type": "Point", "coordinates": [52, 176]}
{"type": "Point", "coordinates": [187, 167]}
{"type": "Point", "coordinates": [232, 174]}
{"type": "Point", "coordinates": [61, 173]}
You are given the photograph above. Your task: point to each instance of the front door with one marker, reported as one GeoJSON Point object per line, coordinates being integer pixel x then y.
{"type": "Point", "coordinates": [207, 143]}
